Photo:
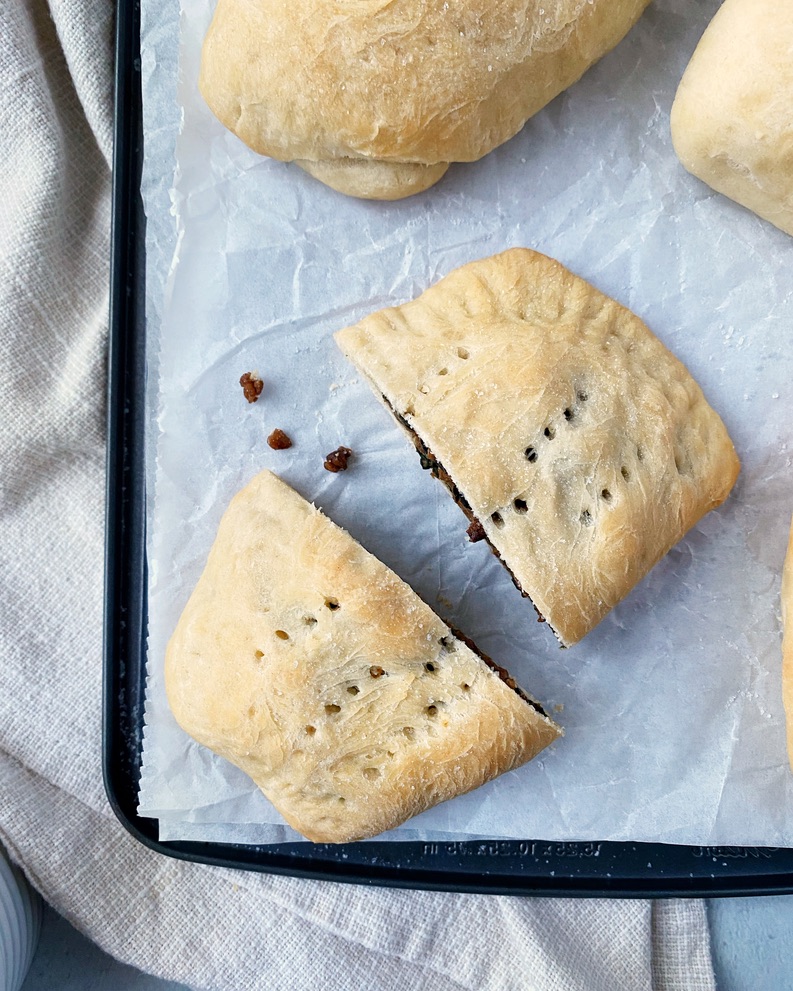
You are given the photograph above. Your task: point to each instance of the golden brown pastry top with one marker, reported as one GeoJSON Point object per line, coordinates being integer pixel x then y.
{"type": "Point", "coordinates": [423, 82]}
{"type": "Point", "coordinates": [305, 661]}
{"type": "Point", "coordinates": [582, 445]}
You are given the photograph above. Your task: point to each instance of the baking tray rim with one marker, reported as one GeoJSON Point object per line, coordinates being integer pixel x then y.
{"type": "Point", "coordinates": [491, 866]}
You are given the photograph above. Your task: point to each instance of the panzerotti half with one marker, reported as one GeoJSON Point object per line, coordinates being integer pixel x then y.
{"type": "Point", "coordinates": [305, 661]}
{"type": "Point", "coordinates": [582, 447]}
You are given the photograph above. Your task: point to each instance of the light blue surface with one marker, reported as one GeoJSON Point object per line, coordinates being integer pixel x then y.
{"type": "Point", "coordinates": [66, 961]}
{"type": "Point", "coordinates": [752, 940]}
{"type": "Point", "coordinates": [752, 943]}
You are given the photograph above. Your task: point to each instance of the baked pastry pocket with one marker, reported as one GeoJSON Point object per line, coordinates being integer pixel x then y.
{"type": "Point", "coordinates": [306, 662]}
{"type": "Point", "coordinates": [579, 445]}
{"type": "Point", "coordinates": [376, 97]}
{"type": "Point", "coordinates": [732, 118]}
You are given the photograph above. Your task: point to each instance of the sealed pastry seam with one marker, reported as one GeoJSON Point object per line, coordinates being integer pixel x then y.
{"type": "Point", "coordinates": [306, 662]}
{"type": "Point", "coordinates": [562, 424]}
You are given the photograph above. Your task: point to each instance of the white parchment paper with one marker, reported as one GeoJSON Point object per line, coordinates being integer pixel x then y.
{"type": "Point", "coordinates": [672, 709]}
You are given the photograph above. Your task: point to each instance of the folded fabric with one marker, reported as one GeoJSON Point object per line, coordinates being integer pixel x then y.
{"type": "Point", "coordinates": [153, 912]}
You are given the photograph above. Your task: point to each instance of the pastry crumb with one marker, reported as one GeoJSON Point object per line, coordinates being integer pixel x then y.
{"type": "Point", "coordinates": [338, 460]}
{"type": "Point", "coordinates": [252, 386]}
{"type": "Point", "coordinates": [475, 531]}
{"type": "Point", "coordinates": [278, 440]}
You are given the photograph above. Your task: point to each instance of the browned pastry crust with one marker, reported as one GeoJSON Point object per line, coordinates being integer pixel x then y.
{"type": "Point", "coordinates": [305, 661]}
{"type": "Point", "coordinates": [559, 421]}
{"type": "Point", "coordinates": [376, 97]}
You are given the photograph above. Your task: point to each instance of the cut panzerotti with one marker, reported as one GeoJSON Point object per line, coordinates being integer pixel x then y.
{"type": "Point", "coordinates": [583, 447]}
{"type": "Point", "coordinates": [306, 662]}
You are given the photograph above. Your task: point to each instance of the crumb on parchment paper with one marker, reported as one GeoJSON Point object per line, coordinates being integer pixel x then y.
{"type": "Point", "coordinates": [278, 440]}
{"type": "Point", "coordinates": [252, 386]}
{"type": "Point", "coordinates": [338, 460]}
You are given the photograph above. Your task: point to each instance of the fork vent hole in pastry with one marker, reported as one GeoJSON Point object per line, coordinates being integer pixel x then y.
{"type": "Point", "coordinates": [432, 710]}
{"type": "Point", "coordinates": [625, 473]}
{"type": "Point", "coordinates": [331, 709]}
{"type": "Point", "coordinates": [549, 432]}
{"type": "Point", "coordinates": [586, 518]}
{"type": "Point", "coordinates": [520, 505]}
{"type": "Point", "coordinates": [371, 773]}
{"type": "Point", "coordinates": [605, 495]}
{"type": "Point", "coordinates": [531, 454]}
{"type": "Point", "coordinates": [353, 690]}
{"type": "Point", "coordinates": [282, 634]}
{"type": "Point", "coordinates": [497, 519]}
{"type": "Point", "coordinates": [463, 353]}
{"type": "Point", "coordinates": [429, 666]}
{"type": "Point", "coordinates": [310, 620]}
{"type": "Point", "coordinates": [568, 414]}
{"type": "Point", "coordinates": [465, 686]}
{"type": "Point", "coordinates": [259, 654]}
{"type": "Point", "coordinates": [443, 371]}
{"type": "Point", "coordinates": [448, 644]}
{"type": "Point", "coordinates": [311, 730]}
{"type": "Point", "coordinates": [332, 604]}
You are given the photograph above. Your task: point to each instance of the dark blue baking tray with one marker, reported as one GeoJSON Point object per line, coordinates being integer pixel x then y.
{"type": "Point", "coordinates": [528, 866]}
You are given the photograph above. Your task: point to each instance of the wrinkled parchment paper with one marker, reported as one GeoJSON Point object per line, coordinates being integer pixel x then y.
{"type": "Point", "coordinates": [672, 711]}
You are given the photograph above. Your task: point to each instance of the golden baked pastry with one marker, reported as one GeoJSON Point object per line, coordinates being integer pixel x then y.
{"type": "Point", "coordinates": [376, 97]}
{"type": "Point", "coordinates": [787, 643]}
{"type": "Point", "coordinates": [560, 423]}
{"type": "Point", "coordinates": [732, 119]}
{"type": "Point", "coordinates": [305, 661]}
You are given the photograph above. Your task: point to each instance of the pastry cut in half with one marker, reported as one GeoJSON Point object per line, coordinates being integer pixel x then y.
{"type": "Point", "coordinates": [375, 98]}
{"type": "Point", "coordinates": [787, 643]}
{"type": "Point", "coordinates": [561, 425]}
{"type": "Point", "coordinates": [306, 662]}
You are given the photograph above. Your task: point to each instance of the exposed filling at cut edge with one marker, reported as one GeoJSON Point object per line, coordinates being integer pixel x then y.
{"type": "Point", "coordinates": [431, 463]}
{"type": "Point", "coordinates": [503, 674]}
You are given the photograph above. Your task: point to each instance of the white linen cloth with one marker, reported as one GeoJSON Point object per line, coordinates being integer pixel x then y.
{"type": "Point", "coordinates": [207, 927]}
